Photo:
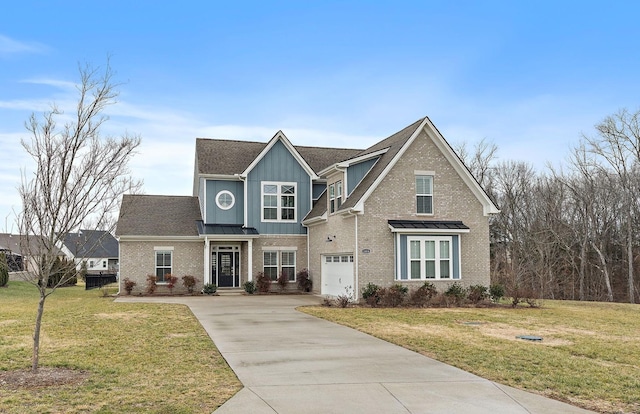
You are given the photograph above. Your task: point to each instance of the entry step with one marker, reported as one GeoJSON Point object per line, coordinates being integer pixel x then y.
{"type": "Point", "coordinates": [230, 291]}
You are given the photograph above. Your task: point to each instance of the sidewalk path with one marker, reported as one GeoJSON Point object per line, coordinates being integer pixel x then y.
{"type": "Point", "coordinates": [293, 363]}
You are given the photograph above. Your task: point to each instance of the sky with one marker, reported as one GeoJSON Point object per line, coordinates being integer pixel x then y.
{"type": "Point", "coordinates": [529, 76]}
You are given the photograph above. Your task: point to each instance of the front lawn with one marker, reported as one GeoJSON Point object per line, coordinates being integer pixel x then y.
{"type": "Point", "coordinates": [589, 355]}
{"type": "Point", "coordinates": [137, 357]}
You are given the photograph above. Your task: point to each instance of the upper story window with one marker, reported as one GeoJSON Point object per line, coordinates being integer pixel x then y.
{"type": "Point", "coordinates": [278, 201]}
{"type": "Point", "coordinates": [424, 194]}
{"type": "Point", "coordinates": [225, 200]}
{"type": "Point", "coordinates": [335, 196]}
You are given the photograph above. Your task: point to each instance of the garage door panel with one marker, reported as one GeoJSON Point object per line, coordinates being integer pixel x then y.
{"type": "Point", "coordinates": [337, 274]}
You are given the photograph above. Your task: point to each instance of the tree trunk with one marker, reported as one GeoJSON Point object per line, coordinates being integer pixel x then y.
{"type": "Point", "coordinates": [605, 272]}
{"type": "Point", "coordinates": [36, 331]}
{"type": "Point", "coordinates": [583, 265]}
{"type": "Point", "coordinates": [630, 259]}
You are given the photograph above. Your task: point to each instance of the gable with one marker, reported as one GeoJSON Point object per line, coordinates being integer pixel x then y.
{"type": "Point", "coordinates": [277, 165]}
{"type": "Point", "coordinates": [398, 149]}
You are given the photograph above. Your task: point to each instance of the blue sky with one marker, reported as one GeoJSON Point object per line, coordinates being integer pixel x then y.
{"type": "Point", "coordinates": [530, 76]}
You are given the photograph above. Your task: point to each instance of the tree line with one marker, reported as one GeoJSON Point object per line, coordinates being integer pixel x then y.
{"type": "Point", "coordinates": [569, 232]}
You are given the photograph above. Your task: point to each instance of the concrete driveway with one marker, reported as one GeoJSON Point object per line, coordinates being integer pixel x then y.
{"type": "Point", "coordinates": [294, 363]}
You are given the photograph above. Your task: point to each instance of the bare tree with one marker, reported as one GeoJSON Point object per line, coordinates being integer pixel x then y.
{"type": "Point", "coordinates": [480, 160]}
{"type": "Point", "coordinates": [77, 183]}
{"type": "Point", "coordinates": [617, 145]}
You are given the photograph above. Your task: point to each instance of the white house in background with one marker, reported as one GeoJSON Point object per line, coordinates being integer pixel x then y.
{"type": "Point", "coordinates": [97, 248]}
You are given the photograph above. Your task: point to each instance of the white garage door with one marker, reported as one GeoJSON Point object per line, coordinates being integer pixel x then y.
{"type": "Point", "coordinates": [337, 274]}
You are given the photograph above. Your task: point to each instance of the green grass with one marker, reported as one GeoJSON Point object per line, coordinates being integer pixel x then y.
{"type": "Point", "coordinates": [589, 356]}
{"type": "Point", "coordinates": [141, 357]}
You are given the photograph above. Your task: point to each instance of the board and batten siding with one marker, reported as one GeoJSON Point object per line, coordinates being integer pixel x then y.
{"type": "Point", "coordinates": [278, 165]}
{"type": "Point", "coordinates": [213, 213]}
{"type": "Point", "coordinates": [356, 172]}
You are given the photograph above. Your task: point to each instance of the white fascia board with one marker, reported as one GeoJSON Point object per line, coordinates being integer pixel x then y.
{"type": "Point", "coordinates": [134, 238]}
{"type": "Point", "coordinates": [223, 177]}
{"type": "Point", "coordinates": [360, 204]}
{"type": "Point", "coordinates": [280, 136]}
{"type": "Point", "coordinates": [315, 220]}
{"type": "Point", "coordinates": [346, 164]}
{"type": "Point", "coordinates": [487, 205]}
{"type": "Point", "coordinates": [429, 231]}
{"type": "Point", "coordinates": [229, 237]}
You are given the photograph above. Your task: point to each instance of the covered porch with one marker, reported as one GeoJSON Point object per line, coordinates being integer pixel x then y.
{"type": "Point", "coordinates": [228, 253]}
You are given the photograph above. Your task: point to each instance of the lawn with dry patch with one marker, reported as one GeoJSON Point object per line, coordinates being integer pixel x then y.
{"type": "Point", "coordinates": [589, 355]}
{"type": "Point", "coordinates": [99, 356]}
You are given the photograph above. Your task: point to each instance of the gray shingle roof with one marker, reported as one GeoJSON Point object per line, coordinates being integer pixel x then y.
{"type": "Point", "coordinates": [394, 143]}
{"type": "Point", "coordinates": [157, 215]}
{"type": "Point", "coordinates": [227, 157]}
{"type": "Point", "coordinates": [91, 243]}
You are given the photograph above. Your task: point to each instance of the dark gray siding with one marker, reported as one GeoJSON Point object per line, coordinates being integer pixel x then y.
{"type": "Point", "coordinates": [278, 165]}
{"type": "Point", "coordinates": [318, 189]}
{"type": "Point", "coordinates": [356, 172]}
{"type": "Point", "coordinates": [214, 214]}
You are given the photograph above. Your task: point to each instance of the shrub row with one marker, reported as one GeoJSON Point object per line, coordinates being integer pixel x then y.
{"type": "Point", "coordinates": [428, 296]}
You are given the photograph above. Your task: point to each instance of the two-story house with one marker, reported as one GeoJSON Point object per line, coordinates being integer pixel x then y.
{"type": "Point", "coordinates": [406, 210]}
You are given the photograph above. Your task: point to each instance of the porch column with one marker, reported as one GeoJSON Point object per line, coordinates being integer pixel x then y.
{"type": "Point", "coordinates": [206, 277]}
{"type": "Point", "coordinates": [250, 260]}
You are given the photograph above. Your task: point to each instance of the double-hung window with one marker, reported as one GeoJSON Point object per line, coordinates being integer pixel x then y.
{"type": "Point", "coordinates": [424, 194]}
{"type": "Point", "coordinates": [278, 201]}
{"type": "Point", "coordinates": [289, 265]}
{"type": "Point", "coordinates": [270, 266]}
{"type": "Point", "coordinates": [430, 257]}
{"type": "Point", "coordinates": [335, 196]}
{"type": "Point", "coordinates": [163, 264]}
{"type": "Point", "coordinates": [280, 262]}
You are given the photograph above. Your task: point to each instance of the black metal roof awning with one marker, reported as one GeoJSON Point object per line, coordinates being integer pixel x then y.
{"type": "Point", "coordinates": [232, 230]}
{"type": "Point", "coordinates": [427, 226]}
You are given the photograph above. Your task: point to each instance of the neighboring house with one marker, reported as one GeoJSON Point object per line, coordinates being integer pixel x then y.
{"type": "Point", "coordinates": [10, 246]}
{"type": "Point", "coordinates": [24, 250]}
{"type": "Point", "coordinates": [405, 210]}
{"type": "Point", "coordinates": [97, 248]}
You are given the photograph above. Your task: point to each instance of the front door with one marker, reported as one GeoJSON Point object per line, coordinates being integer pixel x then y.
{"type": "Point", "coordinates": [226, 267]}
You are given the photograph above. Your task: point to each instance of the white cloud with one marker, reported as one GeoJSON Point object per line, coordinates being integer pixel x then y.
{"type": "Point", "coordinates": [9, 46]}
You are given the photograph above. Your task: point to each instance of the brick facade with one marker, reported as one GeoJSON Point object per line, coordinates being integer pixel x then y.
{"type": "Point", "coordinates": [395, 198]}
{"type": "Point", "coordinates": [137, 261]}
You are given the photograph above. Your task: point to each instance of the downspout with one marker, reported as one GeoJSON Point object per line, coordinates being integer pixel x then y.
{"type": "Point", "coordinates": [355, 259]}
{"type": "Point", "coordinates": [356, 256]}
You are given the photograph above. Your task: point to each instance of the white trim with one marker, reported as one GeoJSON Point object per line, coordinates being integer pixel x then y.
{"type": "Point", "coordinates": [488, 207]}
{"type": "Point", "coordinates": [432, 179]}
{"type": "Point", "coordinates": [206, 277]}
{"type": "Point", "coordinates": [163, 248]}
{"type": "Point", "coordinates": [177, 239]}
{"type": "Point", "coordinates": [249, 260]}
{"type": "Point", "coordinates": [419, 172]}
{"type": "Point", "coordinates": [223, 177]}
{"type": "Point", "coordinates": [279, 207]}
{"type": "Point", "coordinates": [429, 231]}
{"type": "Point", "coordinates": [345, 164]}
{"type": "Point", "coordinates": [274, 248]}
{"type": "Point", "coordinates": [315, 220]}
{"type": "Point", "coordinates": [360, 204]}
{"type": "Point", "coordinates": [437, 257]}
{"type": "Point", "coordinates": [280, 136]}
{"type": "Point", "coordinates": [225, 192]}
